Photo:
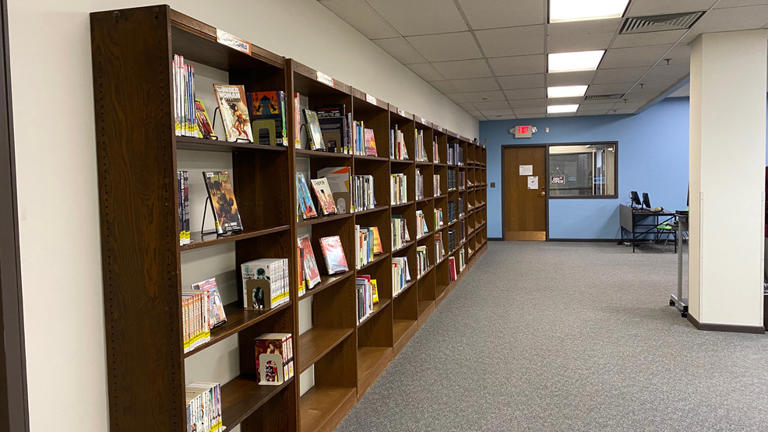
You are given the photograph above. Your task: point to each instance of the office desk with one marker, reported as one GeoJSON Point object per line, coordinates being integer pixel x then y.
{"type": "Point", "coordinates": [634, 222]}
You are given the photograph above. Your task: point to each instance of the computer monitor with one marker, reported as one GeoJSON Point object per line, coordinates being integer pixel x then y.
{"type": "Point", "coordinates": [646, 200]}
{"type": "Point", "coordinates": [635, 198]}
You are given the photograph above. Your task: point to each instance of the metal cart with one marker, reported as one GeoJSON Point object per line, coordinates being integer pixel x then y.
{"type": "Point", "coordinates": [678, 301]}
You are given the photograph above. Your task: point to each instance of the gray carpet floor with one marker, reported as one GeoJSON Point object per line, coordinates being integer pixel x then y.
{"type": "Point", "coordinates": [568, 336]}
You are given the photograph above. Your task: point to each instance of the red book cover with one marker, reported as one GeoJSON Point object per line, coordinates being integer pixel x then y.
{"type": "Point", "coordinates": [333, 252]}
{"type": "Point", "coordinates": [370, 142]}
{"type": "Point", "coordinates": [311, 273]}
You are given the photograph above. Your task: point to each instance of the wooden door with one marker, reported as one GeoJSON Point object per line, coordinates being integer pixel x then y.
{"type": "Point", "coordinates": [524, 193]}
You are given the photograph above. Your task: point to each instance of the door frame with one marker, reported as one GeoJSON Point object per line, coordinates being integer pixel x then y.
{"type": "Point", "coordinates": [504, 186]}
{"type": "Point", "coordinates": [14, 410]}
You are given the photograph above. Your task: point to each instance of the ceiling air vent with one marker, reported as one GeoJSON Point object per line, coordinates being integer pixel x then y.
{"type": "Point", "coordinates": [656, 23]}
{"type": "Point", "coordinates": [604, 97]}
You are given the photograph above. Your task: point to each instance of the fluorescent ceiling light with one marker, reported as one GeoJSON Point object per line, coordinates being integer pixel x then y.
{"type": "Point", "coordinates": [556, 109]}
{"type": "Point", "coordinates": [582, 10]}
{"type": "Point", "coordinates": [575, 61]}
{"type": "Point", "coordinates": [566, 91]}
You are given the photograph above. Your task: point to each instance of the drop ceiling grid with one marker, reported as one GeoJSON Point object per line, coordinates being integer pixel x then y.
{"type": "Point", "coordinates": [407, 30]}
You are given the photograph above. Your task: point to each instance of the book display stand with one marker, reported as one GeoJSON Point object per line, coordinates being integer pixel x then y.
{"type": "Point", "coordinates": [336, 357]}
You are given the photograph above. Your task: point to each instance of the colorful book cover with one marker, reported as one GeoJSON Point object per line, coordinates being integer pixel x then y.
{"type": "Point", "coordinates": [267, 111]}
{"type": "Point", "coordinates": [215, 304]}
{"type": "Point", "coordinates": [377, 247]}
{"type": "Point", "coordinates": [375, 291]}
{"type": "Point", "coordinates": [370, 142]}
{"type": "Point", "coordinates": [339, 179]}
{"type": "Point", "coordinates": [306, 206]}
{"type": "Point", "coordinates": [222, 195]}
{"type": "Point", "coordinates": [203, 122]}
{"type": "Point", "coordinates": [314, 132]}
{"type": "Point", "coordinates": [311, 272]}
{"type": "Point", "coordinates": [333, 252]}
{"type": "Point", "coordinates": [324, 196]}
{"type": "Point", "coordinates": [234, 113]}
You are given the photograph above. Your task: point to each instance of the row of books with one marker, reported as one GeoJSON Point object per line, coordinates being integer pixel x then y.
{"type": "Point", "coordinates": [365, 198]}
{"type": "Point", "coordinates": [452, 213]}
{"type": "Point", "coordinates": [400, 234]}
{"type": "Point", "coordinates": [419, 185]}
{"type": "Point", "coordinates": [336, 127]}
{"type": "Point", "coordinates": [451, 239]}
{"type": "Point", "coordinates": [367, 245]}
{"type": "Point", "coordinates": [401, 275]}
{"type": "Point", "coordinates": [461, 180]}
{"type": "Point", "coordinates": [184, 98]}
{"type": "Point", "coordinates": [203, 407]}
{"type": "Point", "coordinates": [439, 248]}
{"type": "Point", "coordinates": [436, 184]}
{"type": "Point", "coordinates": [201, 311]}
{"type": "Point", "coordinates": [367, 296]}
{"type": "Point", "coordinates": [439, 218]}
{"type": "Point", "coordinates": [422, 260]}
{"type": "Point", "coordinates": [435, 150]}
{"type": "Point", "coordinates": [455, 154]}
{"type": "Point", "coordinates": [397, 148]}
{"type": "Point", "coordinates": [461, 206]}
{"type": "Point", "coordinates": [333, 254]}
{"type": "Point", "coordinates": [451, 179]}
{"type": "Point", "coordinates": [364, 140]}
{"type": "Point", "coordinates": [452, 268]}
{"type": "Point", "coordinates": [462, 260]}
{"type": "Point", "coordinates": [420, 152]}
{"type": "Point", "coordinates": [274, 358]}
{"type": "Point", "coordinates": [322, 192]}
{"type": "Point", "coordinates": [422, 228]}
{"type": "Point", "coordinates": [182, 207]}
{"type": "Point", "coordinates": [265, 283]}
{"type": "Point", "coordinates": [398, 188]}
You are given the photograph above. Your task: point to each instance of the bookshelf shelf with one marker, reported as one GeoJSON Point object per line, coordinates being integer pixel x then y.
{"type": "Point", "coordinates": [238, 319]}
{"type": "Point", "coordinates": [242, 396]}
{"type": "Point", "coordinates": [212, 240]}
{"type": "Point", "coordinates": [317, 342]}
{"type": "Point", "coordinates": [426, 272]}
{"type": "Point", "coordinates": [131, 49]}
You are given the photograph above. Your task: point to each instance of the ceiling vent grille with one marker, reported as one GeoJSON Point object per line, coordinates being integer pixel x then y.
{"type": "Point", "coordinates": [604, 97]}
{"type": "Point", "coordinates": [656, 23]}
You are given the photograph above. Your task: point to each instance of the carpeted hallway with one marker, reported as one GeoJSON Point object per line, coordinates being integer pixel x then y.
{"type": "Point", "coordinates": [568, 336]}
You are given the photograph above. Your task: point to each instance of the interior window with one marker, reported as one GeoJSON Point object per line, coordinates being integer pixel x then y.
{"type": "Point", "coordinates": [582, 170]}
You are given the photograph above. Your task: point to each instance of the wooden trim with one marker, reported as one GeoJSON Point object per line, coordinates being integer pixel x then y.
{"type": "Point", "coordinates": [14, 410]}
{"type": "Point", "coordinates": [725, 327]}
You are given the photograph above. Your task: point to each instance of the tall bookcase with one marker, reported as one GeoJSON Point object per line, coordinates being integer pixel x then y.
{"type": "Point", "coordinates": [144, 268]}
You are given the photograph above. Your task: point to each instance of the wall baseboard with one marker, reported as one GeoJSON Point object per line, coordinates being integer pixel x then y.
{"type": "Point", "coordinates": [495, 239]}
{"type": "Point", "coordinates": [725, 327]}
{"type": "Point", "coordinates": [587, 240]}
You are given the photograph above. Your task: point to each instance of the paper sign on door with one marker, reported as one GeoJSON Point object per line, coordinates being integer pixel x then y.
{"type": "Point", "coordinates": [533, 182]}
{"type": "Point", "coordinates": [526, 170]}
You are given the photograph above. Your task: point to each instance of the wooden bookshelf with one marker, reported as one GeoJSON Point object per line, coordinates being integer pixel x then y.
{"type": "Point", "coordinates": [138, 154]}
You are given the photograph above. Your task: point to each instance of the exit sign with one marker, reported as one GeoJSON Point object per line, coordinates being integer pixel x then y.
{"type": "Point", "coordinates": [525, 131]}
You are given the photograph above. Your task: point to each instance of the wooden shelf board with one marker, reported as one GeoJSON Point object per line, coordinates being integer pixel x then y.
{"type": "Point", "coordinates": [445, 195]}
{"type": "Point", "coordinates": [327, 282]}
{"type": "Point", "coordinates": [424, 200]}
{"type": "Point", "coordinates": [317, 342]}
{"type": "Point", "coordinates": [378, 307]}
{"type": "Point", "coordinates": [401, 161]}
{"type": "Point", "coordinates": [373, 210]}
{"type": "Point", "coordinates": [405, 246]}
{"type": "Point", "coordinates": [376, 260]}
{"type": "Point", "coordinates": [425, 308]}
{"type": "Point", "coordinates": [203, 144]}
{"type": "Point", "coordinates": [370, 158]}
{"type": "Point", "coordinates": [406, 288]}
{"type": "Point", "coordinates": [371, 362]}
{"type": "Point", "coordinates": [238, 319]}
{"type": "Point", "coordinates": [241, 397]}
{"type": "Point", "coordinates": [405, 204]}
{"type": "Point", "coordinates": [400, 327]}
{"type": "Point", "coordinates": [425, 235]}
{"type": "Point", "coordinates": [321, 154]}
{"type": "Point", "coordinates": [423, 163]}
{"type": "Point", "coordinates": [323, 405]}
{"type": "Point", "coordinates": [198, 242]}
{"type": "Point", "coordinates": [324, 219]}
{"type": "Point", "coordinates": [426, 272]}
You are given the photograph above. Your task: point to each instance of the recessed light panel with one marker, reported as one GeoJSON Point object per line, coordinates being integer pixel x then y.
{"type": "Point", "coordinates": [566, 91]}
{"type": "Point", "coordinates": [584, 10]}
{"type": "Point", "coordinates": [575, 61]}
{"type": "Point", "coordinates": [557, 109]}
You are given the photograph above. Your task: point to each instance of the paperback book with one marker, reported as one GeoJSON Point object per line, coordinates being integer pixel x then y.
{"type": "Point", "coordinates": [222, 196]}
{"type": "Point", "coordinates": [274, 358]}
{"type": "Point", "coordinates": [324, 196]}
{"type": "Point", "coordinates": [234, 112]}
{"type": "Point", "coordinates": [265, 283]}
{"type": "Point", "coordinates": [203, 407]}
{"type": "Point", "coordinates": [267, 111]}
{"type": "Point", "coordinates": [314, 133]}
{"type": "Point", "coordinates": [339, 180]}
{"type": "Point", "coordinates": [304, 199]}
{"type": "Point", "coordinates": [311, 271]}
{"type": "Point", "coordinates": [333, 252]}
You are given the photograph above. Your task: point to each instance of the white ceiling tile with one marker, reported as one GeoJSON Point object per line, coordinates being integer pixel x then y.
{"type": "Point", "coordinates": [741, 18]}
{"type": "Point", "coordinates": [528, 103]}
{"type": "Point", "coordinates": [478, 96]}
{"type": "Point", "coordinates": [581, 35]}
{"type": "Point", "coordinates": [532, 110]}
{"type": "Point", "coordinates": [664, 71]}
{"type": "Point", "coordinates": [739, 3]}
{"type": "Point", "coordinates": [477, 68]}
{"type": "Point", "coordinates": [659, 7]}
{"type": "Point", "coordinates": [426, 71]}
{"type": "Point", "coordinates": [466, 85]}
{"type": "Point", "coordinates": [360, 16]}
{"type": "Point", "coordinates": [519, 65]}
{"type": "Point", "coordinates": [570, 78]}
{"type": "Point", "coordinates": [420, 17]}
{"type": "Point", "coordinates": [484, 14]}
{"type": "Point", "coordinates": [498, 114]}
{"type": "Point", "coordinates": [589, 113]}
{"type": "Point", "coordinates": [623, 75]}
{"type": "Point", "coordinates": [512, 41]}
{"type": "Point", "coordinates": [492, 105]}
{"type": "Point", "coordinates": [602, 89]}
{"type": "Point", "coordinates": [401, 50]}
{"type": "Point", "coordinates": [522, 81]}
{"type": "Point", "coordinates": [445, 86]}
{"type": "Point", "coordinates": [633, 57]}
{"type": "Point", "coordinates": [597, 106]}
{"type": "Point", "coordinates": [526, 93]}
{"type": "Point", "coordinates": [644, 39]}
{"type": "Point", "coordinates": [444, 47]}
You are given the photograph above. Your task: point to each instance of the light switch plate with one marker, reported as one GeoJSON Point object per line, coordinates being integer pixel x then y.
{"type": "Point", "coordinates": [493, 185]}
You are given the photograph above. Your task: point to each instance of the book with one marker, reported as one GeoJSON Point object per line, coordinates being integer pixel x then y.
{"type": "Point", "coordinates": [314, 133]}
{"type": "Point", "coordinates": [265, 283]}
{"type": "Point", "coordinates": [311, 272]}
{"type": "Point", "coordinates": [203, 121]}
{"type": "Point", "coordinates": [333, 123]}
{"type": "Point", "coordinates": [183, 205]}
{"type": "Point", "coordinates": [304, 198]}
{"type": "Point", "coordinates": [365, 245]}
{"type": "Point", "coordinates": [274, 358]}
{"type": "Point", "coordinates": [216, 314]}
{"type": "Point", "coordinates": [398, 188]}
{"type": "Point", "coordinates": [302, 285]}
{"type": "Point", "coordinates": [203, 407]}
{"type": "Point", "coordinates": [364, 198]}
{"type": "Point", "coordinates": [267, 111]}
{"type": "Point", "coordinates": [222, 196]}
{"type": "Point", "coordinates": [364, 289]}
{"type": "Point", "coordinates": [196, 324]}
{"type": "Point", "coordinates": [400, 274]}
{"type": "Point", "coordinates": [184, 98]}
{"type": "Point", "coordinates": [370, 142]}
{"type": "Point", "coordinates": [324, 196]}
{"type": "Point", "coordinates": [339, 179]}
{"type": "Point", "coordinates": [333, 252]}
{"type": "Point", "coordinates": [234, 113]}
{"type": "Point", "coordinates": [377, 247]}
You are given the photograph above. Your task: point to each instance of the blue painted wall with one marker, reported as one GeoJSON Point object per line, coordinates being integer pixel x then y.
{"type": "Point", "coordinates": [653, 158]}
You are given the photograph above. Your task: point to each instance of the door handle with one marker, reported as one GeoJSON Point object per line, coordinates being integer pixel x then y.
{"type": "Point", "coordinates": [542, 194]}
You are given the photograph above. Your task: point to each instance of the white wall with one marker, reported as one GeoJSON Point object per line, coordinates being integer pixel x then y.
{"type": "Point", "coordinates": [57, 182]}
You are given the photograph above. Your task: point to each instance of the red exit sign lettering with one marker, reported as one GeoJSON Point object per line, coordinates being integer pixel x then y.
{"type": "Point", "coordinates": [524, 131]}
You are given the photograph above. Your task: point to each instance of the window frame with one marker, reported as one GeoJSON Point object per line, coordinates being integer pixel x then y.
{"type": "Point", "coordinates": [615, 194]}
